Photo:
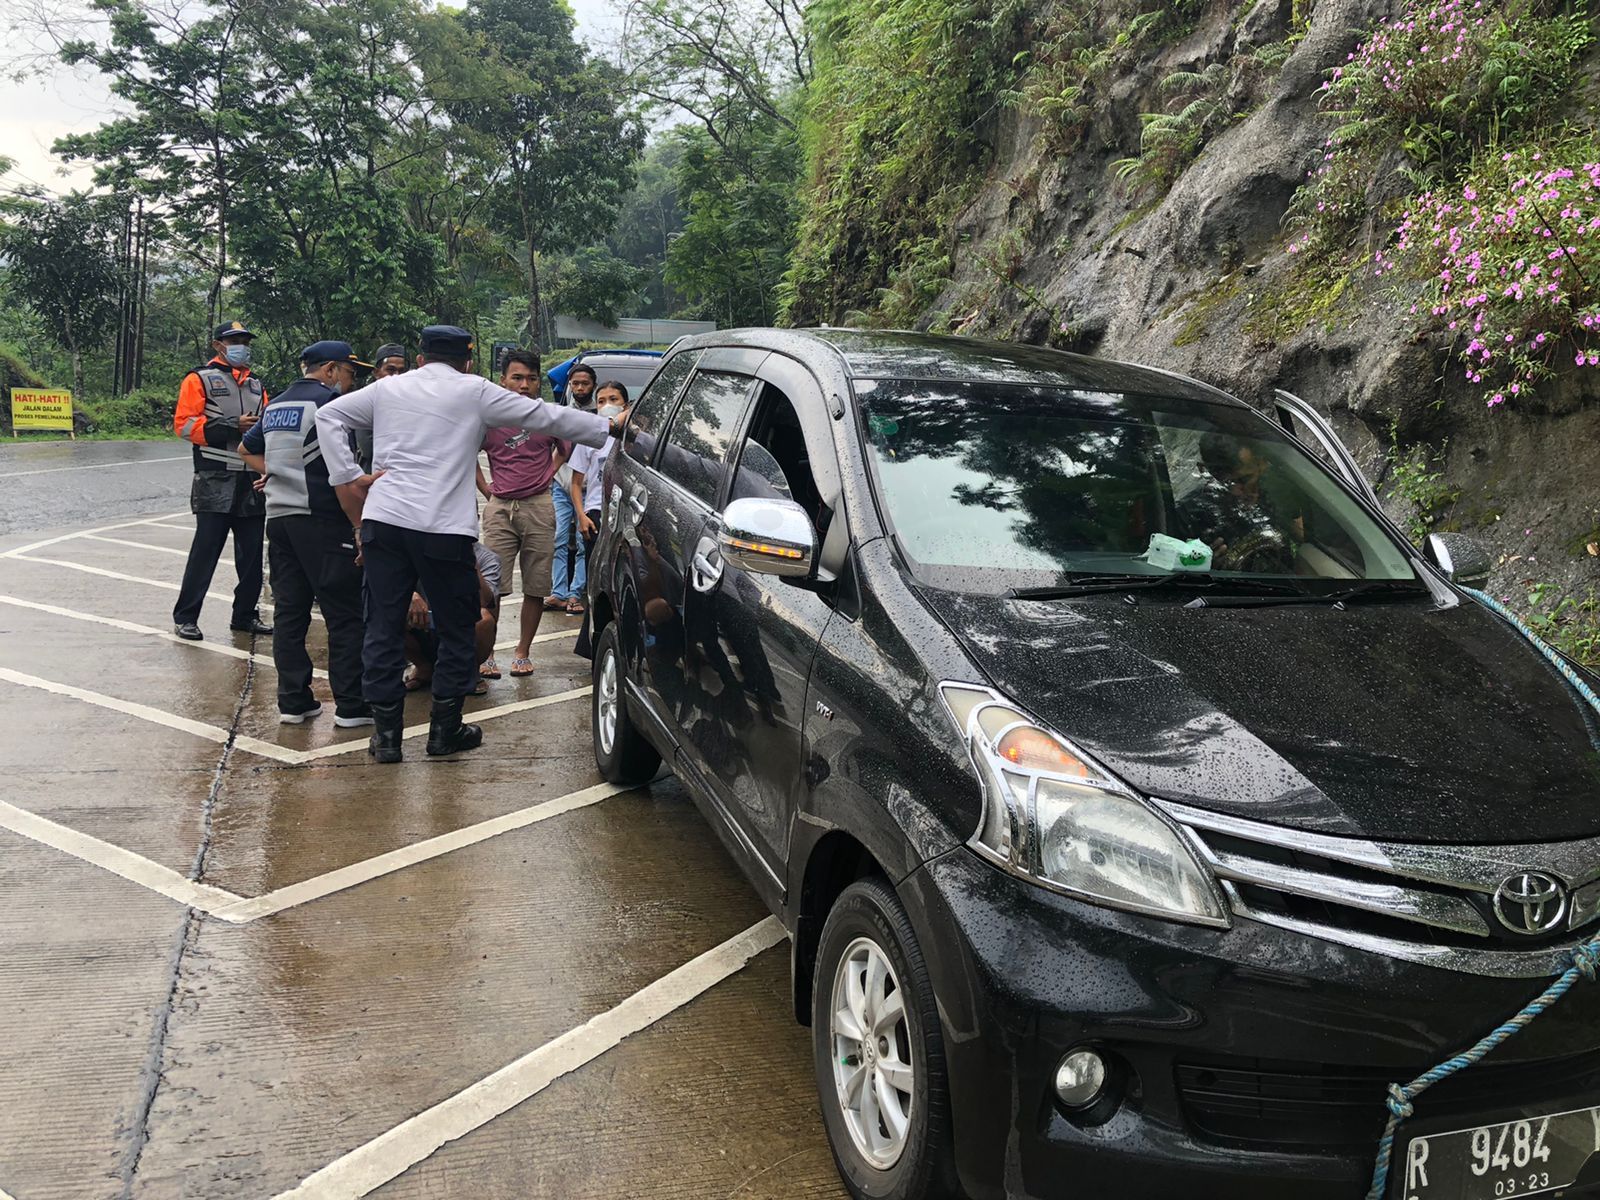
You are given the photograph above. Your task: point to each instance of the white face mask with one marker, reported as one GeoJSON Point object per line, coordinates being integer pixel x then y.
{"type": "Point", "coordinates": [237, 354]}
{"type": "Point", "coordinates": [611, 410]}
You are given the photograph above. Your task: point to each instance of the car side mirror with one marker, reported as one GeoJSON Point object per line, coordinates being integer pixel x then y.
{"type": "Point", "coordinates": [768, 536]}
{"type": "Point", "coordinates": [1463, 559]}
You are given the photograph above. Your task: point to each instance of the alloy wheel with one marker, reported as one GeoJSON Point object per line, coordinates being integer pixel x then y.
{"type": "Point", "coordinates": [873, 1071]}
{"type": "Point", "coordinates": [607, 702]}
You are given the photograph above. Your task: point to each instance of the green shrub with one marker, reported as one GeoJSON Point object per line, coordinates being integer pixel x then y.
{"type": "Point", "coordinates": [143, 412]}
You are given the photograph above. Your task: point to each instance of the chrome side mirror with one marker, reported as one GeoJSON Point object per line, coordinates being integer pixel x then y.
{"type": "Point", "coordinates": [768, 536]}
{"type": "Point", "coordinates": [1463, 559]}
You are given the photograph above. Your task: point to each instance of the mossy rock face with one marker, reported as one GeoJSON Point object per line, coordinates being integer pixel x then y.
{"type": "Point", "coordinates": [14, 373]}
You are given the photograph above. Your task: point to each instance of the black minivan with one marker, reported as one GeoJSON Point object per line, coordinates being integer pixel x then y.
{"type": "Point", "coordinates": [1138, 801]}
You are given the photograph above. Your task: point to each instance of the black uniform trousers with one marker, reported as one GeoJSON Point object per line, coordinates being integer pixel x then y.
{"type": "Point", "coordinates": [247, 524]}
{"type": "Point", "coordinates": [314, 558]}
{"type": "Point", "coordinates": [442, 566]}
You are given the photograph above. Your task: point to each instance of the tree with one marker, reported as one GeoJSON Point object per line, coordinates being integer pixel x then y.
{"type": "Point", "coordinates": [60, 262]}
{"type": "Point", "coordinates": [565, 148]}
{"type": "Point", "coordinates": [593, 284]}
{"type": "Point", "coordinates": [649, 220]}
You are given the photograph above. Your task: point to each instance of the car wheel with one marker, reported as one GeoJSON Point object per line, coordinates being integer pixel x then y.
{"type": "Point", "coordinates": [879, 1052]}
{"type": "Point", "coordinates": [620, 751]}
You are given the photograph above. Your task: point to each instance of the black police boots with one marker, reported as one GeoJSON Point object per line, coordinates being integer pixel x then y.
{"type": "Point", "coordinates": [389, 721]}
{"type": "Point", "coordinates": [447, 733]}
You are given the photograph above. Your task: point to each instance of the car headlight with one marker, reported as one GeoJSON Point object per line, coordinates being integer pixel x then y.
{"type": "Point", "coordinates": [1054, 816]}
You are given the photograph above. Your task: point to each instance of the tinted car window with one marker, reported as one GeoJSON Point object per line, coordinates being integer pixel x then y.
{"type": "Point", "coordinates": [774, 461]}
{"type": "Point", "coordinates": [995, 486]}
{"type": "Point", "coordinates": [652, 407]}
{"type": "Point", "coordinates": [704, 425]}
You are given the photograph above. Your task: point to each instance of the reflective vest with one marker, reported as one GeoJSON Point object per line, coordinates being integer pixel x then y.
{"type": "Point", "coordinates": [228, 399]}
{"type": "Point", "coordinates": [297, 478]}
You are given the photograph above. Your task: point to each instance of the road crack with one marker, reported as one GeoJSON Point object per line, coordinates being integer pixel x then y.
{"type": "Point", "coordinates": [150, 1074]}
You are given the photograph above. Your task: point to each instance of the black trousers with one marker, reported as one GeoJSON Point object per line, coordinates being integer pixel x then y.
{"type": "Point", "coordinates": [211, 532]}
{"type": "Point", "coordinates": [399, 562]}
{"type": "Point", "coordinates": [314, 558]}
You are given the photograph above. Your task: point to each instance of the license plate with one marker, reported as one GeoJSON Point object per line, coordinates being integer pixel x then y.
{"type": "Point", "coordinates": [1518, 1158]}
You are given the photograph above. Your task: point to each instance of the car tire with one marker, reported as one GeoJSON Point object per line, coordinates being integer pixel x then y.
{"type": "Point", "coordinates": [868, 930]}
{"type": "Point", "coordinates": [621, 751]}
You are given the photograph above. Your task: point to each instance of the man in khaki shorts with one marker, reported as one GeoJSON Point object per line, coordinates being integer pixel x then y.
{"type": "Point", "coordinates": [519, 522]}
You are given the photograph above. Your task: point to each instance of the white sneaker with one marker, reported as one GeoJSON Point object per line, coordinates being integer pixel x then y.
{"type": "Point", "coordinates": [353, 722]}
{"type": "Point", "coordinates": [299, 718]}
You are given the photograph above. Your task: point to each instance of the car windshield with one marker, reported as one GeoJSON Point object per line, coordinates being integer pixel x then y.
{"type": "Point", "coordinates": [992, 487]}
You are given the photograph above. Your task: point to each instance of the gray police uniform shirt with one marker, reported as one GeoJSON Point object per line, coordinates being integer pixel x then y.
{"type": "Point", "coordinates": [286, 434]}
{"type": "Point", "coordinates": [427, 426]}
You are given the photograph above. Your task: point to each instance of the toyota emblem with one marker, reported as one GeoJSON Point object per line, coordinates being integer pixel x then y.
{"type": "Point", "coordinates": [1530, 903]}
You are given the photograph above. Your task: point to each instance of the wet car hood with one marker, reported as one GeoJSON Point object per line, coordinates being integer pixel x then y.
{"type": "Point", "coordinates": [1395, 721]}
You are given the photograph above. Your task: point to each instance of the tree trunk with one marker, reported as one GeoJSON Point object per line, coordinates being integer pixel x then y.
{"type": "Point", "coordinates": [535, 302]}
{"type": "Point", "coordinates": [77, 375]}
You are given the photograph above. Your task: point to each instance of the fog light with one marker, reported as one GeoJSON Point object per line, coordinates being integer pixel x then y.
{"type": "Point", "coordinates": [1079, 1077]}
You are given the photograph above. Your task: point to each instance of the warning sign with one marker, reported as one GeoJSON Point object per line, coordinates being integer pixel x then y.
{"type": "Point", "coordinates": [41, 408]}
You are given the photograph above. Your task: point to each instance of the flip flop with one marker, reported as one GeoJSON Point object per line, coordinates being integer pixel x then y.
{"type": "Point", "coordinates": [554, 604]}
{"type": "Point", "coordinates": [521, 667]}
{"type": "Point", "coordinates": [482, 688]}
{"type": "Point", "coordinates": [575, 608]}
{"type": "Point", "coordinates": [490, 669]}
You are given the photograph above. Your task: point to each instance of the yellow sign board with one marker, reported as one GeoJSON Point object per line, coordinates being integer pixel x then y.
{"type": "Point", "coordinates": [41, 408]}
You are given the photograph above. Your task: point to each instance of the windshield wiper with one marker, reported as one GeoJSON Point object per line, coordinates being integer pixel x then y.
{"type": "Point", "coordinates": [1079, 585]}
{"type": "Point", "coordinates": [1336, 597]}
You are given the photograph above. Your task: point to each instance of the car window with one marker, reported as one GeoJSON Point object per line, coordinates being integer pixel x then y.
{"type": "Point", "coordinates": [702, 428]}
{"type": "Point", "coordinates": [652, 406]}
{"type": "Point", "coordinates": [996, 486]}
{"type": "Point", "coordinates": [774, 461]}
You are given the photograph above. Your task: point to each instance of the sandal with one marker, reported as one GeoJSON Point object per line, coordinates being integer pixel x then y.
{"type": "Point", "coordinates": [482, 688]}
{"type": "Point", "coordinates": [575, 608]}
{"type": "Point", "coordinates": [521, 667]}
{"type": "Point", "coordinates": [490, 669]}
{"type": "Point", "coordinates": [555, 604]}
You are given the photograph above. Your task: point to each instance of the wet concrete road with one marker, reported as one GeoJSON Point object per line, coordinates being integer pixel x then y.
{"type": "Point", "coordinates": [241, 960]}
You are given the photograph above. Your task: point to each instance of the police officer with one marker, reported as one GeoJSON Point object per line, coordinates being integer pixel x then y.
{"type": "Point", "coordinates": [417, 517]}
{"type": "Point", "coordinates": [217, 403]}
{"type": "Point", "coordinates": [309, 543]}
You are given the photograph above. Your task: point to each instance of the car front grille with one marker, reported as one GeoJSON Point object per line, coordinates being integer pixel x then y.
{"type": "Point", "coordinates": [1422, 903]}
{"type": "Point", "coordinates": [1305, 1104]}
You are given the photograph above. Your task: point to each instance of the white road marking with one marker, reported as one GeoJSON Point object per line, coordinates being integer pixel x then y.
{"type": "Point", "coordinates": [395, 860]}
{"type": "Point", "coordinates": [130, 866]}
{"type": "Point", "coordinates": [261, 660]}
{"type": "Point", "coordinates": [126, 462]}
{"type": "Point", "coordinates": [241, 910]}
{"type": "Point", "coordinates": [109, 574]}
{"type": "Point", "coordinates": [95, 537]}
{"type": "Point", "coordinates": [166, 525]}
{"type": "Point", "coordinates": [5, 1195]}
{"type": "Point", "coordinates": [413, 731]}
{"type": "Point", "coordinates": [510, 643]}
{"type": "Point", "coordinates": [144, 712]}
{"type": "Point", "coordinates": [67, 537]}
{"type": "Point", "coordinates": [390, 1154]}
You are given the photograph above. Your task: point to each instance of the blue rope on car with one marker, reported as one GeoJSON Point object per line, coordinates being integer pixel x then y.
{"type": "Point", "coordinates": [1583, 962]}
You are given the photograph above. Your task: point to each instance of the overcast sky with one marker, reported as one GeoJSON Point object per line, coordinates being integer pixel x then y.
{"type": "Point", "coordinates": [33, 114]}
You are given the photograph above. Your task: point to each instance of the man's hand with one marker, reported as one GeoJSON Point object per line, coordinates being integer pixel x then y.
{"type": "Point", "coordinates": [259, 483]}
{"type": "Point", "coordinates": [586, 527]}
{"type": "Point", "coordinates": [247, 420]}
{"type": "Point", "coordinates": [353, 495]}
{"type": "Point", "coordinates": [417, 614]}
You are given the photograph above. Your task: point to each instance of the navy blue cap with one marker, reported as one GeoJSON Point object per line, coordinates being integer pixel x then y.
{"type": "Point", "coordinates": [230, 329]}
{"type": "Point", "coordinates": [449, 341]}
{"type": "Point", "coordinates": [318, 353]}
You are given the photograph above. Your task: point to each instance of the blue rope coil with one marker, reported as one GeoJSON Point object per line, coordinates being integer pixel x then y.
{"type": "Point", "coordinates": [1582, 963]}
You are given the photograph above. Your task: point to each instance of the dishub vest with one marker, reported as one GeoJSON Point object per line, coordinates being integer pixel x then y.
{"type": "Point", "coordinates": [228, 399]}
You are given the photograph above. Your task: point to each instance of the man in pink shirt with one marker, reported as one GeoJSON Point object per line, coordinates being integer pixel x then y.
{"type": "Point", "coordinates": [519, 522]}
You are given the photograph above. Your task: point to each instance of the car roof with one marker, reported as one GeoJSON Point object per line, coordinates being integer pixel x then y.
{"type": "Point", "coordinates": [899, 354]}
{"type": "Point", "coordinates": [593, 355]}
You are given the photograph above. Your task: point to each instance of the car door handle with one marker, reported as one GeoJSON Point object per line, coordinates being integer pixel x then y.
{"type": "Point", "coordinates": [638, 501]}
{"type": "Point", "coordinates": [706, 565]}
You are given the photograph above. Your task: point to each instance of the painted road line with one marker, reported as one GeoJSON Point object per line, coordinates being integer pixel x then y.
{"type": "Point", "coordinates": [67, 537]}
{"type": "Point", "coordinates": [261, 660]}
{"type": "Point", "coordinates": [126, 462]}
{"type": "Point", "coordinates": [414, 731]}
{"type": "Point", "coordinates": [510, 643]}
{"type": "Point", "coordinates": [407, 856]}
{"type": "Point", "coordinates": [224, 597]}
{"type": "Point", "coordinates": [5, 1195]}
{"type": "Point", "coordinates": [143, 712]}
{"type": "Point", "coordinates": [97, 537]}
{"type": "Point", "coordinates": [125, 863]}
{"type": "Point", "coordinates": [390, 1154]}
{"type": "Point", "coordinates": [166, 525]}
